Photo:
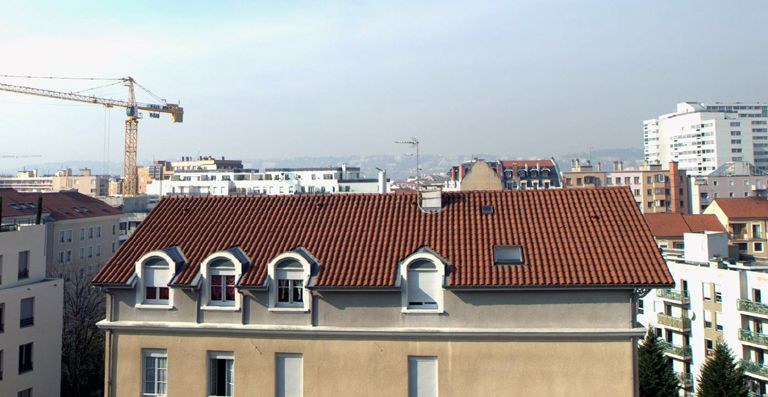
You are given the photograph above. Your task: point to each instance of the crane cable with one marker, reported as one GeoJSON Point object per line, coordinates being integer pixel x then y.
{"type": "Point", "coordinates": [96, 88]}
{"type": "Point", "coordinates": [56, 77]}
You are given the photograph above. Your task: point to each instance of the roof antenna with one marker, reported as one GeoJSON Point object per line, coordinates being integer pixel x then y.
{"type": "Point", "coordinates": [414, 142]}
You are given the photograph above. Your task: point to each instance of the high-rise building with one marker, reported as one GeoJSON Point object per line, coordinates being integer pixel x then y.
{"type": "Point", "coordinates": [701, 137]}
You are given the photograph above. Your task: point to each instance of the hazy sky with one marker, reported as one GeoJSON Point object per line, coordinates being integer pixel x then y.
{"type": "Point", "coordinates": [285, 78]}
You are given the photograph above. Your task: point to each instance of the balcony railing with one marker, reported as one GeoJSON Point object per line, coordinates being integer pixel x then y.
{"type": "Point", "coordinates": [754, 394]}
{"type": "Point", "coordinates": [752, 367]}
{"type": "Point", "coordinates": [23, 273]}
{"type": "Point", "coordinates": [747, 305]}
{"type": "Point", "coordinates": [682, 351]}
{"type": "Point", "coordinates": [674, 322]}
{"type": "Point", "coordinates": [753, 337]}
{"type": "Point", "coordinates": [673, 294]}
{"type": "Point", "coordinates": [686, 379]}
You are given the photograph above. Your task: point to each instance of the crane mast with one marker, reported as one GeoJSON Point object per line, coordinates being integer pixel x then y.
{"type": "Point", "coordinates": [130, 172]}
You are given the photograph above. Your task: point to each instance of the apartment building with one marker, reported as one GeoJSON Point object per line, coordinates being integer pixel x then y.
{"type": "Point", "coordinates": [381, 295]}
{"type": "Point", "coordinates": [85, 182]}
{"type": "Point", "coordinates": [714, 298]}
{"type": "Point", "coordinates": [745, 219]}
{"type": "Point", "coordinates": [701, 136]}
{"type": "Point", "coordinates": [30, 315]}
{"type": "Point", "coordinates": [27, 181]}
{"type": "Point", "coordinates": [504, 174]}
{"type": "Point", "coordinates": [670, 228]}
{"type": "Point", "coordinates": [81, 231]}
{"type": "Point", "coordinates": [655, 189]}
{"type": "Point", "coordinates": [732, 179]}
{"type": "Point", "coordinates": [272, 181]}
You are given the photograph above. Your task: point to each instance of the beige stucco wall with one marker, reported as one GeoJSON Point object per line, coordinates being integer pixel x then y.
{"type": "Point", "coordinates": [367, 367]}
{"type": "Point", "coordinates": [481, 177]}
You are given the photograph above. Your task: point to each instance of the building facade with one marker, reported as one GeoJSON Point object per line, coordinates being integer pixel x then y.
{"type": "Point", "coordinates": [379, 295]}
{"type": "Point", "coordinates": [655, 189]}
{"type": "Point", "coordinates": [745, 219]}
{"type": "Point", "coordinates": [733, 179]}
{"type": "Point", "coordinates": [701, 137]}
{"type": "Point", "coordinates": [85, 182]}
{"type": "Point", "coordinates": [504, 175]}
{"type": "Point", "coordinates": [30, 315]}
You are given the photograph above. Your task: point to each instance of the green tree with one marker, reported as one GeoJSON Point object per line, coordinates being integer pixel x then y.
{"type": "Point", "coordinates": [657, 379]}
{"type": "Point", "coordinates": [720, 376]}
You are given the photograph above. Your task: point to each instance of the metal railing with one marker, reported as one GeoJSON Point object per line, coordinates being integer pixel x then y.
{"type": "Point", "coordinates": [673, 294]}
{"type": "Point", "coordinates": [752, 367]}
{"type": "Point", "coordinates": [746, 335]}
{"type": "Point", "coordinates": [754, 394]}
{"type": "Point", "coordinates": [674, 322]}
{"type": "Point", "coordinates": [23, 273]}
{"type": "Point", "coordinates": [747, 305]}
{"type": "Point", "coordinates": [26, 322]}
{"type": "Point", "coordinates": [686, 379]}
{"type": "Point", "coordinates": [682, 351]}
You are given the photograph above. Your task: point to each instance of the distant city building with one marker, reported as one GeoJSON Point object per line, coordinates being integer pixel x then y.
{"type": "Point", "coordinates": [31, 314]}
{"type": "Point", "coordinates": [272, 181]}
{"type": "Point", "coordinates": [746, 220]}
{"type": "Point", "coordinates": [669, 228]}
{"type": "Point", "coordinates": [655, 189]}
{"type": "Point", "coordinates": [463, 294]}
{"type": "Point", "coordinates": [85, 182]}
{"type": "Point", "coordinates": [732, 179]}
{"type": "Point", "coordinates": [504, 175]}
{"type": "Point", "coordinates": [81, 231]}
{"type": "Point", "coordinates": [701, 137]}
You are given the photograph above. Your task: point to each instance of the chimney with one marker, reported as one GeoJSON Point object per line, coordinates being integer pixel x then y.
{"type": "Point", "coordinates": [674, 196]}
{"type": "Point", "coordinates": [431, 200]}
{"type": "Point", "coordinates": [343, 170]}
{"type": "Point", "coordinates": [382, 181]}
{"type": "Point", "coordinates": [599, 166]}
{"type": "Point", "coordinates": [39, 215]}
{"type": "Point", "coordinates": [461, 172]}
{"type": "Point", "coordinates": [621, 165]}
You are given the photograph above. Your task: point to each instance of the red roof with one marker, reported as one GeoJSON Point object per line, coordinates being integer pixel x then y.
{"type": "Point", "coordinates": [675, 225]}
{"type": "Point", "coordinates": [58, 205]}
{"type": "Point", "coordinates": [575, 237]}
{"type": "Point", "coordinates": [528, 163]}
{"type": "Point", "coordinates": [743, 207]}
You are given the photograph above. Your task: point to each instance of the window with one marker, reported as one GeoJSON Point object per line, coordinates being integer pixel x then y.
{"type": "Point", "coordinates": [90, 252]}
{"type": "Point", "coordinates": [422, 376]}
{"type": "Point", "coordinates": [69, 256]}
{"type": "Point", "coordinates": [289, 375]}
{"type": "Point", "coordinates": [707, 319]}
{"type": "Point", "coordinates": [27, 316]}
{"type": "Point", "coordinates": [507, 254]}
{"type": "Point", "coordinates": [114, 229]}
{"type": "Point", "coordinates": [708, 346]}
{"type": "Point", "coordinates": [1, 270]}
{"type": "Point", "coordinates": [156, 276]}
{"type": "Point", "coordinates": [222, 283]}
{"type": "Point", "coordinates": [23, 265]}
{"type": "Point", "coordinates": [221, 369]}
{"type": "Point", "coordinates": [25, 393]}
{"type": "Point", "coordinates": [424, 285]}
{"type": "Point", "coordinates": [98, 231]}
{"type": "Point", "coordinates": [90, 232]}
{"type": "Point", "coordinates": [2, 317]}
{"type": "Point", "coordinates": [756, 231]}
{"type": "Point", "coordinates": [640, 306]}
{"type": "Point", "coordinates": [82, 234]}
{"type": "Point", "coordinates": [62, 236]}
{"type": "Point", "coordinates": [113, 248]}
{"type": "Point", "coordinates": [25, 358]}
{"type": "Point", "coordinates": [758, 247]}
{"type": "Point", "coordinates": [707, 291]}
{"type": "Point", "coordinates": [155, 381]}
{"type": "Point", "coordinates": [718, 293]}
{"type": "Point", "coordinates": [718, 320]}
{"type": "Point", "coordinates": [290, 284]}
{"type": "Point", "coordinates": [98, 250]}
{"type": "Point", "coordinates": [82, 252]}
{"type": "Point", "coordinates": [757, 296]}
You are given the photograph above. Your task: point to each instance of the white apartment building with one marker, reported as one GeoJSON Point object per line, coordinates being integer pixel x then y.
{"type": "Point", "coordinates": [701, 137]}
{"type": "Point", "coordinates": [30, 315]}
{"type": "Point", "coordinates": [272, 181]}
{"type": "Point", "coordinates": [712, 299]}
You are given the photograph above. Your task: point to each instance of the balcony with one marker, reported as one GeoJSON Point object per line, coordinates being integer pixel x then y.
{"type": "Point", "coordinates": [682, 324]}
{"type": "Point", "coordinates": [680, 351]}
{"type": "Point", "coordinates": [686, 379]}
{"type": "Point", "coordinates": [755, 394]}
{"type": "Point", "coordinates": [673, 295]}
{"type": "Point", "coordinates": [746, 335]}
{"type": "Point", "coordinates": [746, 305]}
{"type": "Point", "coordinates": [754, 368]}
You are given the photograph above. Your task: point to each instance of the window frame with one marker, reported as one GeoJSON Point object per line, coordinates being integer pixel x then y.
{"type": "Point", "coordinates": [297, 264]}
{"type": "Point", "coordinates": [30, 358]}
{"type": "Point", "coordinates": [406, 308]}
{"type": "Point", "coordinates": [141, 300]}
{"type": "Point", "coordinates": [154, 354]}
{"type": "Point", "coordinates": [206, 274]}
{"type": "Point", "coordinates": [219, 355]}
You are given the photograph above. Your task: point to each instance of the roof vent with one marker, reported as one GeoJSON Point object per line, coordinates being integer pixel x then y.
{"type": "Point", "coordinates": [487, 209]}
{"type": "Point", "coordinates": [507, 254]}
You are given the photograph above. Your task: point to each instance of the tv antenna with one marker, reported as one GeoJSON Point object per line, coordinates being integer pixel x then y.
{"type": "Point", "coordinates": [414, 142]}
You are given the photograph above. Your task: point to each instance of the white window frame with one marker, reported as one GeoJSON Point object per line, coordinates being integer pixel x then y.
{"type": "Point", "coordinates": [141, 301]}
{"type": "Point", "coordinates": [154, 354]}
{"type": "Point", "coordinates": [403, 269]}
{"type": "Point", "coordinates": [272, 274]}
{"type": "Point", "coordinates": [217, 355]}
{"type": "Point", "coordinates": [206, 273]}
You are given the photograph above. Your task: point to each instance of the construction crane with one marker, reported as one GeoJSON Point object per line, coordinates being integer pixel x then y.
{"type": "Point", "coordinates": [130, 172]}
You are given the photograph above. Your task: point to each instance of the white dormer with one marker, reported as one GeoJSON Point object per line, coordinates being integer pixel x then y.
{"type": "Point", "coordinates": [422, 279]}
{"type": "Point", "coordinates": [288, 278]}
{"type": "Point", "coordinates": [219, 275]}
{"type": "Point", "coordinates": [154, 273]}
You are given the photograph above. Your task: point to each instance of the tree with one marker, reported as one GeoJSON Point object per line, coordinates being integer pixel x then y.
{"type": "Point", "coordinates": [720, 376]}
{"type": "Point", "coordinates": [657, 379]}
{"type": "Point", "coordinates": [82, 353]}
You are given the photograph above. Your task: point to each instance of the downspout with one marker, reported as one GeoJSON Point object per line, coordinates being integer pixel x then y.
{"type": "Point", "coordinates": [108, 389]}
{"type": "Point", "coordinates": [633, 300]}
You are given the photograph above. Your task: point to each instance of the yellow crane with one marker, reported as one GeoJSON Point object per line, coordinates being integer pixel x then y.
{"type": "Point", "coordinates": [130, 173]}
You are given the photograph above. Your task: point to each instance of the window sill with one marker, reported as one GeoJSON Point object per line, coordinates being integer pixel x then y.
{"type": "Point", "coordinates": [214, 308]}
{"type": "Point", "coordinates": [421, 311]}
{"type": "Point", "coordinates": [289, 309]}
{"type": "Point", "coordinates": [149, 306]}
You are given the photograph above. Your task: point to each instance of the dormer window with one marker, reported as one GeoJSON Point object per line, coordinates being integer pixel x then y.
{"type": "Point", "coordinates": [157, 274]}
{"type": "Point", "coordinates": [422, 278]}
{"type": "Point", "coordinates": [290, 284]}
{"type": "Point", "coordinates": [508, 254]}
{"type": "Point", "coordinates": [288, 279]}
{"type": "Point", "coordinates": [222, 282]}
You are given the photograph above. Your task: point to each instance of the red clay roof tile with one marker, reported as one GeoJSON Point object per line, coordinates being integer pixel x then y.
{"type": "Point", "coordinates": [743, 207]}
{"type": "Point", "coordinates": [675, 225]}
{"type": "Point", "coordinates": [579, 237]}
{"type": "Point", "coordinates": [59, 205]}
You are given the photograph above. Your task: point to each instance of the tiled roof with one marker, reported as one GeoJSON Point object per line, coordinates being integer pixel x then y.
{"type": "Point", "coordinates": [528, 163]}
{"type": "Point", "coordinates": [578, 237]}
{"type": "Point", "coordinates": [743, 207]}
{"type": "Point", "coordinates": [675, 225]}
{"type": "Point", "coordinates": [59, 205]}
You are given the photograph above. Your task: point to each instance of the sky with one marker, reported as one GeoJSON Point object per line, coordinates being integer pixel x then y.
{"type": "Point", "coordinates": [314, 78]}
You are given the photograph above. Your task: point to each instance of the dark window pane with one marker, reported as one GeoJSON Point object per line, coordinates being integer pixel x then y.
{"type": "Point", "coordinates": [164, 293]}
{"type": "Point", "coordinates": [151, 293]}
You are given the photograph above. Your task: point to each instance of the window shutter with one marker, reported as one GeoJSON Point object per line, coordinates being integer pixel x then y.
{"type": "Point", "coordinates": [424, 287]}
{"type": "Point", "coordinates": [422, 376]}
{"type": "Point", "coordinates": [289, 376]}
